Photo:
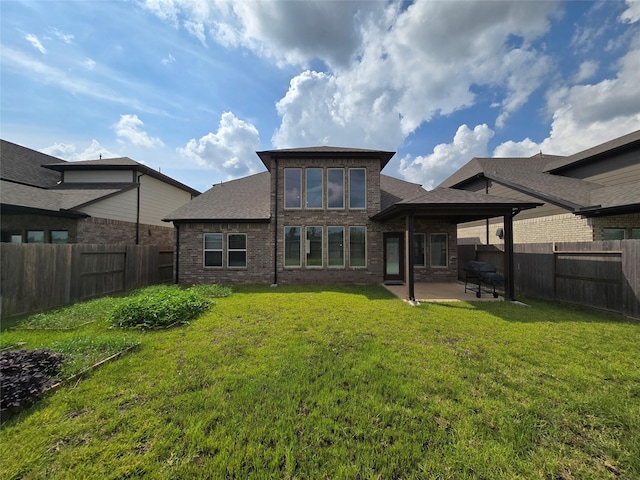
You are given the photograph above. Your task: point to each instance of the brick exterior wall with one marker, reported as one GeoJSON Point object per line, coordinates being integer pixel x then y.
{"type": "Point", "coordinates": [556, 228]}
{"type": "Point", "coordinates": [259, 267]}
{"type": "Point", "coordinates": [107, 231]}
{"type": "Point", "coordinates": [260, 238]}
{"type": "Point", "coordinates": [628, 222]}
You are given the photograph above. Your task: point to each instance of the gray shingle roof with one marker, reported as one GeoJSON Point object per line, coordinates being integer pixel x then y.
{"type": "Point", "coordinates": [23, 165]}
{"type": "Point", "coordinates": [616, 195]}
{"type": "Point", "coordinates": [53, 200]}
{"type": "Point", "coordinates": [394, 190]}
{"type": "Point", "coordinates": [624, 141]}
{"type": "Point", "coordinates": [244, 199]}
{"type": "Point", "coordinates": [528, 175]}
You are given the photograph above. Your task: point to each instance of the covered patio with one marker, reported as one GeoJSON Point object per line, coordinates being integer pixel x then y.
{"type": "Point", "coordinates": [454, 206]}
{"type": "Point", "coordinates": [442, 292]}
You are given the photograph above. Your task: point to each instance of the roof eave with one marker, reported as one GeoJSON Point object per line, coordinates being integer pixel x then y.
{"type": "Point", "coordinates": [559, 202]}
{"type": "Point", "coordinates": [216, 220]}
{"type": "Point", "coordinates": [598, 211]}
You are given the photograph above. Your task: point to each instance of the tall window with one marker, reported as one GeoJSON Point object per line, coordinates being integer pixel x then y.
{"type": "Point", "coordinates": [335, 188]}
{"type": "Point", "coordinates": [335, 249]}
{"type": "Point", "coordinates": [314, 188]}
{"type": "Point", "coordinates": [357, 188]}
{"type": "Point", "coordinates": [358, 246]}
{"type": "Point", "coordinates": [438, 249]}
{"type": "Point", "coordinates": [237, 249]}
{"type": "Point", "coordinates": [291, 246]}
{"type": "Point", "coordinates": [314, 246]}
{"type": "Point", "coordinates": [212, 249]}
{"type": "Point", "coordinates": [292, 188]}
{"type": "Point", "coordinates": [419, 250]}
{"type": "Point", "coordinates": [59, 236]}
{"type": "Point", "coordinates": [35, 236]}
{"type": "Point", "coordinates": [635, 233]}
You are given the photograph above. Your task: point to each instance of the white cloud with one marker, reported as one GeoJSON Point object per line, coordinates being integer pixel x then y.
{"type": "Point", "coordinates": [68, 151]}
{"type": "Point", "coordinates": [288, 32]}
{"type": "Point", "coordinates": [632, 13]}
{"type": "Point", "coordinates": [129, 129]}
{"type": "Point", "coordinates": [168, 60]}
{"type": "Point", "coordinates": [33, 40]}
{"type": "Point", "coordinates": [431, 170]}
{"type": "Point", "coordinates": [589, 114]}
{"type": "Point", "coordinates": [89, 63]}
{"type": "Point", "coordinates": [414, 65]}
{"type": "Point", "coordinates": [65, 37]}
{"type": "Point", "coordinates": [587, 70]}
{"type": "Point", "coordinates": [230, 150]}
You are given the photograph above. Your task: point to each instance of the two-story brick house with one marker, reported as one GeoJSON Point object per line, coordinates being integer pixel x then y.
{"type": "Point", "coordinates": [325, 215]}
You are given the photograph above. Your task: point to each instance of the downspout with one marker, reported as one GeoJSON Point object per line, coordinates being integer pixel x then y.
{"type": "Point", "coordinates": [177, 279]}
{"type": "Point", "coordinates": [486, 191]}
{"type": "Point", "coordinates": [138, 212]}
{"type": "Point", "coordinates": [275, 227]}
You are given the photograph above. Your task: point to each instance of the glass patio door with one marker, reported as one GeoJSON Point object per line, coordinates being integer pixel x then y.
{"type": "Point", "coordinates": [394, 258]}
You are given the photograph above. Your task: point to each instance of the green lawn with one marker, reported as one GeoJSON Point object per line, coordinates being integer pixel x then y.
{"type": "Point", "coordinates": [345, 382]}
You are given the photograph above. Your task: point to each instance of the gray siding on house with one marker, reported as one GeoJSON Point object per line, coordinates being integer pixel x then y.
{"type": "Point", "coordinates": [618, 170]}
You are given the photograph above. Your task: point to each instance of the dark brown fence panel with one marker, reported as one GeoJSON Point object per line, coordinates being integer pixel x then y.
{"type": "Point", "coordinates": [589, 274]}
{"type": "Point", "coordinates": [631, 277]}
{"type": "Point", "coordinates": [37, 277]}
{"type": "Point", "coordinates": [603, 274]}
{"type": "Point", "coordinates": [533, 269]}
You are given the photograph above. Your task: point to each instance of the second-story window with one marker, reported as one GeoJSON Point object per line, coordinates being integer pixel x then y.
{"type": "Point", "coordinates": [357, 188]}
{"type": "Point", "coordinates": [292, 188]}
{"type": "Point", "coordinates": [335, 188]}
{"type": "Point", "coordinates": [314, 188]}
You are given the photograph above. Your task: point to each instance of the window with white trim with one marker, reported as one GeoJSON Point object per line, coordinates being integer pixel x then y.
{"type": "Point", "coordinates": [357, 247]}
{"type": "Point", "coordinates": [438, 249]}
{"type": "Point", "coordinates": [357, 188]}
{"type": "Point", "coordinates": [292, 252]}
{"type": "Point", "coordinates": [237, 250]}
{"type": "Point", "coordinates": [212, 249]}
{"type": "Point", "coordinates": [335, 188]}
{"type": "Point", "coordinates": [314, 247]}
{"type": "Point", "coordinates": [335, 247]}
{"type": "Point", "coordinates": [419, 250]}
{"type": "Point", "coordinates": [314, 188]}
{"type": "Point", "coordinates": [292, 188]}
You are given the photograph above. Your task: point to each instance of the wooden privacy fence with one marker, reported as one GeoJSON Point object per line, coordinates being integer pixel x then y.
{"type": "Point", "coordinates": [604, 274]}
{"type": "Point", "coordinates": [36, 277]}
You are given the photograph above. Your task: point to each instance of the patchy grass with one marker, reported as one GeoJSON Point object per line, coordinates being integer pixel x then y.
{"type": "Point", "coordinates": [349, 382]}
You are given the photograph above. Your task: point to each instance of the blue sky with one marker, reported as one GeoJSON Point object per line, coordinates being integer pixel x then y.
{"type": "Point", "coordinates": [195, 87]}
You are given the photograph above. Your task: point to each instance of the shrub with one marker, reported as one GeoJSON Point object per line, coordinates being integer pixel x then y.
{"type": "Point", "coordinates": [160, 308]}
{"type": "Point", "coordinates": [25, 374]}
{"type": "Point", "coordinates": [211, 290]}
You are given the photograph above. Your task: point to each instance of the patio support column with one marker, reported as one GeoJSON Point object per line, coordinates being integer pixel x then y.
{"type": "Point", "coordinates": [509, 284]}
{"type": "Point", "coordinates": [408, 242]}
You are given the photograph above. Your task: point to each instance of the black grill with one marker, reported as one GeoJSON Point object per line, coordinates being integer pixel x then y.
{"type": "Point", "coordinates": [479, 273]}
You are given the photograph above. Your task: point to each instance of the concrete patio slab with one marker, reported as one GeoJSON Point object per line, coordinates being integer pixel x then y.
{"type": "Point", "coordinates": [442, 292]}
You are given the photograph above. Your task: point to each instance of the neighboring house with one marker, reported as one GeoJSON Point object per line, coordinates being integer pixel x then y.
{"type": "Point", "coordinates": [325, 215]}
{"type": "Point", "coordinates": [47, 200]}
{"type": "Point", "coordinates": [592, 195]}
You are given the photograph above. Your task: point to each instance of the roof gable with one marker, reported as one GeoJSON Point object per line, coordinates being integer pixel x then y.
{"type": "Point", "coordinates": [326, 152]}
